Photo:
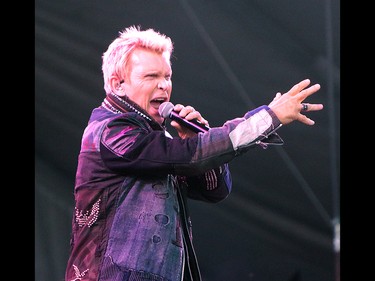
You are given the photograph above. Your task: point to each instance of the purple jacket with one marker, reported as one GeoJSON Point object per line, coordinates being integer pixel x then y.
{"type": "Point", "coordinates": [133, 179]}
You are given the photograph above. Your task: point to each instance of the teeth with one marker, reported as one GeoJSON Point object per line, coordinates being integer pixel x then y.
{"type": "Point", "coordinates": [158, 100]}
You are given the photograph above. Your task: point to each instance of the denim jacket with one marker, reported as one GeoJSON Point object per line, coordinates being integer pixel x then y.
{"type": "Point", "coordinates": [131, 219]}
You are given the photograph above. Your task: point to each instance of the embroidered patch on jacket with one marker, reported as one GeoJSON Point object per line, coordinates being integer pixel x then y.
{"type": "Point", "coordinates": [79, 274]}
{"type": "Point", "coordinates": [89, 217]}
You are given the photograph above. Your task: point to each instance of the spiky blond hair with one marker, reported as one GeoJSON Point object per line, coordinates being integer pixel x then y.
{"type": "Point", "coordinates": [115, 58]}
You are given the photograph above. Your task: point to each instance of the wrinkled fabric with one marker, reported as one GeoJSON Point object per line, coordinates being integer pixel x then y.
{"type": "Point", "coordinates": [131, 219]}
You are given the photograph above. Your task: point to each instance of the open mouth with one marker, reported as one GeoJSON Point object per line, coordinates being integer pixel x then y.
{"type": "Point", "coordinates": [155, 103]}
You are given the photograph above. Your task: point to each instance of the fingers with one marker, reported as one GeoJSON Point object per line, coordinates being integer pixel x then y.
{"type": "Point", "coordinates": [300, 92]}
{"type": "Point", "coordinates": [311, 107]}
{"type": "Point", "coordinates": [306, 120]}
{"type": "Point", "coordinates": [278, 95]}
{"type": "Point", "coordinates": [298, 87]}
{"type": "Point", "coordinates": [189, 113]}
{"type": "Point", "coordinates": [305, 107]}
{"type": "Point", "coordinates": [183, 110]}
{"type": "Point", "coordinates": [309, 91]}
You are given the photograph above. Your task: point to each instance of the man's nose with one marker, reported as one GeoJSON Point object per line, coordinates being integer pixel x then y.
{"type": "Point", "coordinates": [163, 84]}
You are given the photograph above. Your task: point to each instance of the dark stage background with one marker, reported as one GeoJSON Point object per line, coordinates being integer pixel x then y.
{"type": "Point", "coordinates": [230, 56]}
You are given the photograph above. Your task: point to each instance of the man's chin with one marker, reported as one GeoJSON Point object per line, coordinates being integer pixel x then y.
{"type": "Point", "coordinates": [156, 117]}
{"type": "Point", "coordinates": [159, 119]}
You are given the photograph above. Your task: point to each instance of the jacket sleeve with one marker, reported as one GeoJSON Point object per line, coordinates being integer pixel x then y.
{"type": "Point", "coordinates": [222, 144]}
{"type": "Point", "coordinates": [129, 145]}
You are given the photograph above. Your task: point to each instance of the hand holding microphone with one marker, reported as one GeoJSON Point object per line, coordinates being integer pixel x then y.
{"type": "Point", "coordinates": [166, 111]}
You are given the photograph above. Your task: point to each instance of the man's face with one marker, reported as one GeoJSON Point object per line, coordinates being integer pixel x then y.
{"type": "Point", "coordinates": [149, 82]}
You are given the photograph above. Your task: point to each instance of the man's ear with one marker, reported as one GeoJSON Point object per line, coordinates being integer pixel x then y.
{"type": "Point", "coordinates": [116, 85]}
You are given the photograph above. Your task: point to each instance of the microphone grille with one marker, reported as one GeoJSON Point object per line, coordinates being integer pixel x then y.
{"type": "Point", "coordinates": [165, 109]}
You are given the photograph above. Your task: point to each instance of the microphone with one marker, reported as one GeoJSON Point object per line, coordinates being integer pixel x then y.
{"type": "Point", "coordinates": [166, 110]}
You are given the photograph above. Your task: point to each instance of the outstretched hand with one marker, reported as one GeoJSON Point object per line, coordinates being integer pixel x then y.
{"type": "Point", "coordinates": [289, 107]}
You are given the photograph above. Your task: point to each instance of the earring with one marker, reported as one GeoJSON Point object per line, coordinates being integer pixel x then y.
{"type": "Point", "coordinates": [119, 85]}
